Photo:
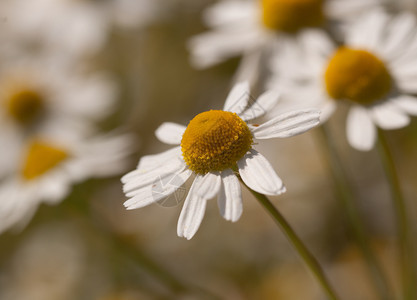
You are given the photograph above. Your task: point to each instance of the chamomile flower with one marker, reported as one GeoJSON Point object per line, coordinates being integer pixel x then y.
{"type": "Point", "coordinates": [74, 28]}
{"type": "Point", "coordinates": [375, 70]}
{"type": "Point", "coordinates": [39, 97]}
{"type": "Point", "coordinates": [49, 164]}
{"type": "Point", "coordinates": [215, 146]}
{"type": "Point", "coordinates": [251, 27]}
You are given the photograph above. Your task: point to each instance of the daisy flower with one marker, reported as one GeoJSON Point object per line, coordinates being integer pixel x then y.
{"type": "Point", "coordinates": [74, 28]}
{"type": "Point", "coordinates": [375, 71]}
{"type": "Point", "coordinates": [217, 147]}
{"type": "Point", "coordinates": [251, 27]}
{"type": "Point", "coordinates": [37, 97]}
{"type": "Point", "coordinates": [49, 164]}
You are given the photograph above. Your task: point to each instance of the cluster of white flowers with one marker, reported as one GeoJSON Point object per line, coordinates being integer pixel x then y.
{"type": "Point", "coordinates": [51, 99]}
{"type": "Point", "coordinates": [314, 55]}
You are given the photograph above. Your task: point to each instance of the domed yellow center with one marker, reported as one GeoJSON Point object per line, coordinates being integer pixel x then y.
{"type": "Point", "coordinates": [25, 106]}
{"type": "Point", "coordinates": [214, 141]}
{"type": "Point", "coordinates": [41, 157]}
{"type": "Point", "coordinates": [357, 75]}
{"type": "Point", "coordinates": [292, 15]}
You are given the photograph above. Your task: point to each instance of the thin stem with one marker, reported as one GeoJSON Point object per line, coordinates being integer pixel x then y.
{"type": "Point", "coordinates": [302, 250]}
{"type": "Point", "coordinates": [347, 200]}
{"type": "Point", "coordinates": [406, 246]}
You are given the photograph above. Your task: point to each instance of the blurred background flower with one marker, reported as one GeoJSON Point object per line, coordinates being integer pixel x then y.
{"type": "Point", "coordinates": [90, 247]}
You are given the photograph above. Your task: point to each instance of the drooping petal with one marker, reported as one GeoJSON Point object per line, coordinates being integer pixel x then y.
{"type": "Point", "coordinates": [209, 186]}
{"type": "Point", "coordinates": [140, 178]}
{"type": "Point", "coordinates": [160, 190]}
{"type": "Point", "coordinates": [407, 104]}
{"type": "Point", "coordinates": [192, 212]}
{"type": "Point", "coordinates": [170, 133]}
{"type": "Point", "coordinates": [148, 162]}
{"type": "Point", "coordinates": [238, 98]}
{"type": "Point", "coordinates": [388, 116]}
{"type": "Point", "coordinates": [261, 106]}
{"type": "Point", "coordinates": [230, 197]}
{"type": "Point", "coordinates": [288, 124]}
{"type": "Point", "coordinates": [259, 175]}
{"type": "Point", "coordinates": [361, 131]}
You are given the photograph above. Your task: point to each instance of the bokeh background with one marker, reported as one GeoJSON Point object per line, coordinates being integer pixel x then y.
{"type": "Point", "coordinates": [90, 247]}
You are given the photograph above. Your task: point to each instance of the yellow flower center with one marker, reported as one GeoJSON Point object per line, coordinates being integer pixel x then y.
{"type": "Point", "coordinates": [40, 158]}
{"type": "Point", "coordinates": [214, 141]}
{"type": "Point", "coordinates": [25, 106]}
{"type": "Point", "coordinates": [357, 75]}
{"type": "Point", "coordinates": [292, 15]}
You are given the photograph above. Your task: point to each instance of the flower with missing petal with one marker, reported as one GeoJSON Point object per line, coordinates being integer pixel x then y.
{"type": "Point", "coordinates": [374, 70]}
{"type": "Point", "coordinates": [216, 146]}
{"type": "Point", "coordinates": [254, 28]}
{"type": "Point", "coordinates": [49, 164]}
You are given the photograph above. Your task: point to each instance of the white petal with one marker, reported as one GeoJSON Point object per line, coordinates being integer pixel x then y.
{"type": "Point", "coordinates": [288, 124]}
{"type": "Point", "coordinates": [361, 131]}
{"type": "Point", "coordinates": [164, 188]}
{"type": "Point", "coordinates": [259, 175]}
{"type": "Point", "coordinates": [151, 161]}
{"type": "Point", "coordinates": [249, 67]}
{"type": "Point", "coordinates": [141, 178]}
{"type": "Point", "coordinates": [238, 98]}
{"type": "Point", "coordinates": [209, 185]}
{"type": "Point", "coordinates": [408, 85]}
{"type": "Point", "coordinates": [192, 212]}
{"type": "Point", "coordinates": [407, 104]}
{"type": "Point", "coordinates": [17, 205]}
{"type": "Point", "coordinates": [401, 30]}
{"type": "Point", "coordinates": [170, 133]}
{"type": "Point", "coordinates": [213, 47]}
{"type": "Point", "coordinates": [226, 13]}
{"type": "Point", "coordinates": [388, 116]}
{"type": "Point", "coordinates": [262, 105]}
{"type": "Point", "coordinates": [230, 197]}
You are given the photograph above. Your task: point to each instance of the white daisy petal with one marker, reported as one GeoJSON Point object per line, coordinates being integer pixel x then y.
{"type": "Point", "coordinates": [408, 84]}
{"type": "Point", "coordinates": [401, 29]}
{"type": "Point", "coordinates": [141, 178]}
{"type": "Point", "coordinates": [361, 131]}
{"type": "Point", "coordinates": [155, 160]}
{"type": "Point", "coordinates": [262, 105]}
{"type": "Point", "coordinates": [229, 12]}
{"type": "Point", "coordinates": [192, 212]}
{"type": "Point", "coordinates": [238, 98]}
{"type": "Point", "coordinates": [388, 116]}
{"type": "Point", "coordinates": [374, 23]}
{"type": "Point", "coordinates": [209, 185]}
{"type": "Point", "coordinates": [158, 191]}
{"type": "Point", "coordinates": [249, 67]}
{"type": "Point", "coordinates": [407, 104]}
{"type": "Point", "coordinates": [170, 133]}
{"type": "Point", "coordinates": [259, 175]}
{"type": "Point", "coordinates": [288, 124]}
{"type": "Point", "coordinates": [210, 48]}
{"type": "Point", "coordinates": [230, 196]}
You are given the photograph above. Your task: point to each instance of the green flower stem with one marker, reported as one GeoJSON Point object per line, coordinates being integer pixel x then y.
{"type": "Point", "coordinates": [347, 200]}
{"type": "Point", "coordinates": [406, 246]}
{"type": "Point", "coordinates": [302, 250]}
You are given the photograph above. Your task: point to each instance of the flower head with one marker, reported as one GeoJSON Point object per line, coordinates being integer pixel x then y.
{"type": "Point", "coordinates": [216, 146]}
{"type": "Point", "coordinates": [374, 71]}
{"type": "Point", "coordinates": [257, 28]}
{"type": "Point", "coordinates": [48, 165]}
